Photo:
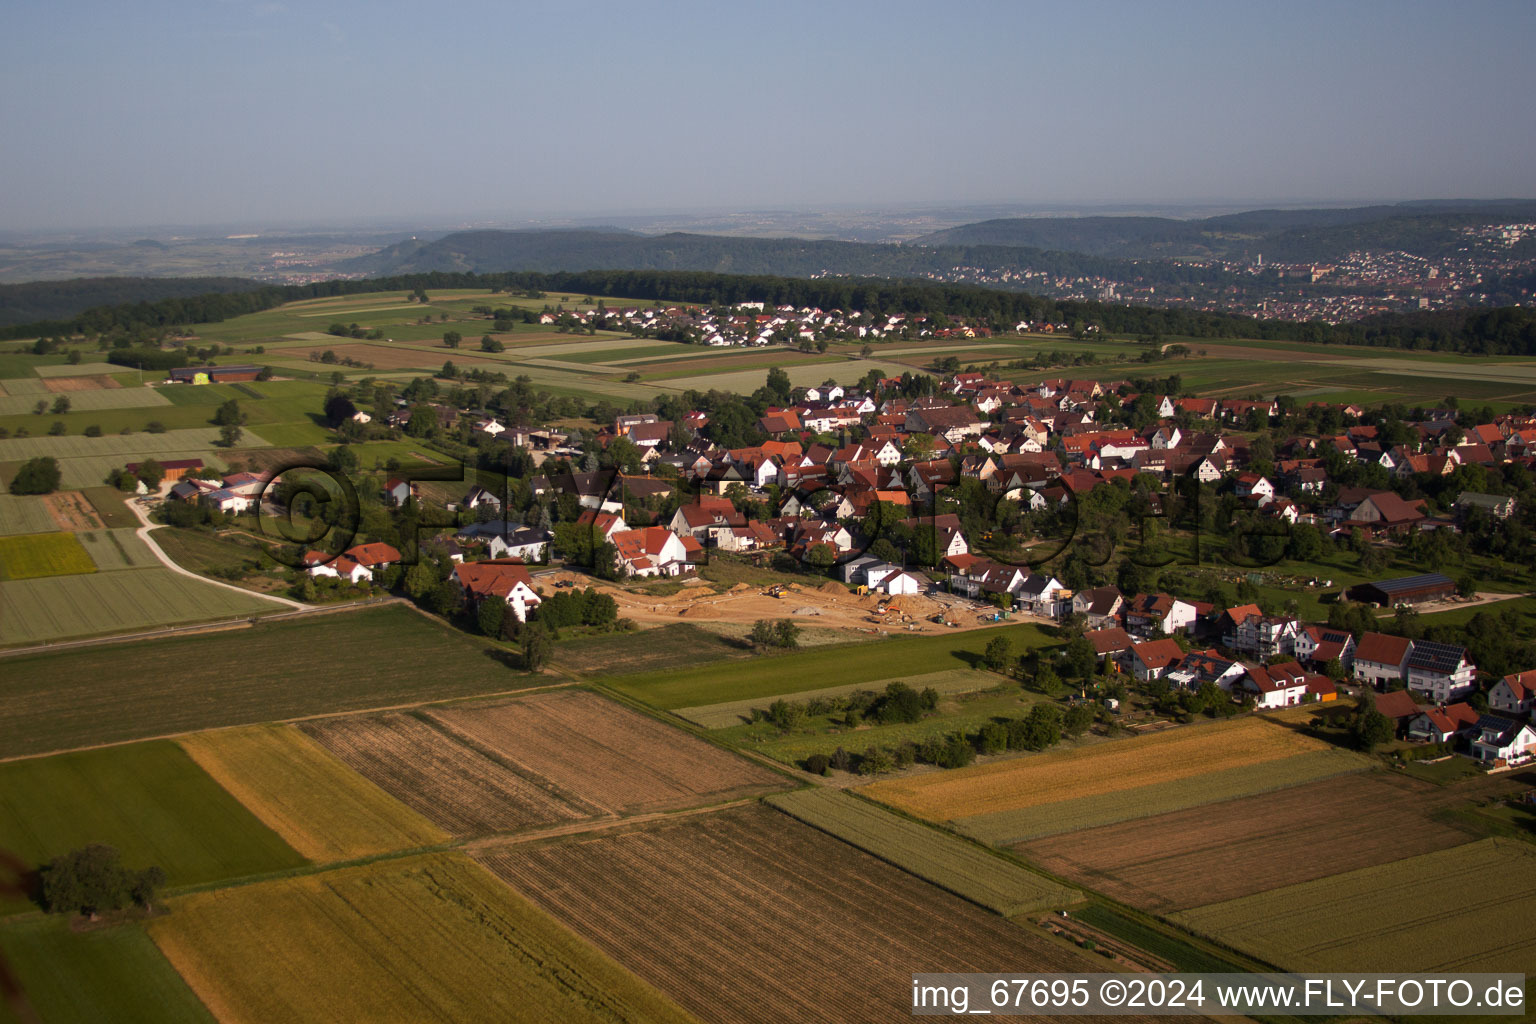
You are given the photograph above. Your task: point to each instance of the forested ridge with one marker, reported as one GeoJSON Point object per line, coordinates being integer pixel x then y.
{"type": "Point", "coordinates": [1504, 331]}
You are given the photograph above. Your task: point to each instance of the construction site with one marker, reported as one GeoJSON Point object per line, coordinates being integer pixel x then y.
{"type": "Point", "coordinates": [828, 604]}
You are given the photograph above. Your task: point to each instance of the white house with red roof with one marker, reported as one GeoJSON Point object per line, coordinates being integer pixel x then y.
{"type": "Point", "coordinates": [1381, 658]}
{"type": "Point", "coordinates": [319, 563]}
{"type": "Point", "coordinates": [500, 579]}
{"type": "Point", "coordinates": [655, 551]}
{"type": "Point", "coordinates": [1514, 694]}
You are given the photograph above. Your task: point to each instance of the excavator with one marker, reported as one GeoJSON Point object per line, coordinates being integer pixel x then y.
{"type": "Point", "coordinates": [777, 590]}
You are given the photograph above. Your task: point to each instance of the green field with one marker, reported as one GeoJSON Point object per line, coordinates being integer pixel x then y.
{"type": "Point", "coordinates": [39, 555]}
{"type": "Point", "coordinates": [784, 674]}
{"type": "Point", "coordinates": [88, 401]}
{"type": "Point", "coordinates": [201, 551]}
{"type": "Point", "coordinates": [149, 800]}
{"type": "Point", "coordinates": [1089, 811]}
{"type": "Point", "coordinates": [674, 646]}
{"type": "Point", "coordinates": [24, 514]}
{"type": "Point", "coordinates": [1464, 909]}
{"type": "Point", "coordinates": [736, 712]}
{"type": "Point", "coordinates": [42, 610]}
{"type": "Point", "coordinates": [129, 447]}
{"type": "Point", "coordinates": [433, 938]}
{"type": "Point", "coordinates": [963, 868]}
{"type": "Point", "coordinates": [110, 505]}
{"type": "Point", "coordinates": [104, 974]}
{"type": "Point", "coordinates": [966, 712]}
{"type": "Point", "coordinates": [346, 661]}
{"type": "Point", "coordinates": [117, 549]}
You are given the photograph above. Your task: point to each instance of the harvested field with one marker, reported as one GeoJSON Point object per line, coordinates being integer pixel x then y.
{"type": "Point", "coordinates": [36, 555]}
{"type": "Point", "coordinates": [318, 805]}
{"type": "Point", "coordinates": [1262, 842]}
{"type": "Point", "coordinates": [1004, 827]}
{"type": "Point", "coordinates": [84, 400]}
{"type": "Point", "coordinates": [1026, 782]}
{"type": "Point", "coordinates": [951, 863]}
{"type": "Point", "coordinates": [421, 939]}
{"type": "Point", "coordinates": [25, 513]}
{"type": "Point", "coordinates": [1468, 908]}
{"type": "Point", "coordinates": [746, 915]}
{"type": "Point", "coordinates": [604, 754]}
{"type": "Point", "coordinates": [383, 357]}
{"type": "Point", "coordinates": [464, 791]}
{"type": "Point", "coordinates": [26, 386]}
{"type": "Point", "coordinates": [76, 370]}
{"type": "Point", "coordinates": [722, 716]}
{"type": "Point", "coordinates": [72, 511]}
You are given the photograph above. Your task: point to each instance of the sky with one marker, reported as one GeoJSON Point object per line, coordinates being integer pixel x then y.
{"type": "Point", "coordinates": [338, 112]}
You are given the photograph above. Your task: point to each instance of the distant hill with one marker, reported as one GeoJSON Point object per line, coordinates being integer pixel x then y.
{"type": "Point", "coordinates": [577, 250]}
{"type": "Point", "coordinates": [1428, 228]}
{"type": "Point", "coordinates": [61, 300]}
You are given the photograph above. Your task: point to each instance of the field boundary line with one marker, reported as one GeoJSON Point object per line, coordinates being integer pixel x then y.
{"type": "Point", "coordinates": [166, 560]}
{"type": "Point", "coordinates": [486, 843]}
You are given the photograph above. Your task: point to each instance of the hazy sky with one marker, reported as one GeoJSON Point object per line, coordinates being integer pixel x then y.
{"type": "Point", "coordinates": [223, 111]}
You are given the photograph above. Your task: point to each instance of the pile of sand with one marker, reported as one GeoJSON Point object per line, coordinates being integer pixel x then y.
{"type": "Point", "coordinates": [830, 587]}
{"type": "Point", "coordinates": [807, 610]}
{"type": "Point", "coordinates": [738, 588]}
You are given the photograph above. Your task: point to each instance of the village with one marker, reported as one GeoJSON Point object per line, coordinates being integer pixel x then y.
{"type": "Point", "coordinates": [944, 494]}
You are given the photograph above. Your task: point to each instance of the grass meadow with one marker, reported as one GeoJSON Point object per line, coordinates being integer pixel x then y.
{"type": "Point", "coordinates": [103, 974]}
{"type": "Point", "coordinates": [784, 674]}
{"type": "Point", "coordinates": [149, 800]}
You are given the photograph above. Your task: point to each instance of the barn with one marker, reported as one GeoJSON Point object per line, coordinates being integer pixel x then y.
{"type": "Point", "coordinates": [1404, 590]}
{"type": "Point", "coordinates": [214, 374]}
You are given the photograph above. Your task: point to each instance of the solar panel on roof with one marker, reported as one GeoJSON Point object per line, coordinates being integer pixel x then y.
{"type": "Point", "coordinates": [1436, 657]}
{"type": "Point", "coordinates": [1408, 583]}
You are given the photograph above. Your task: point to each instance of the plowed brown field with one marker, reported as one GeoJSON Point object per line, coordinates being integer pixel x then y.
{"type": "Point", "coordinates": [541, 760]}
{"type": "Point", "coordinates": [604, 754]}
{"type": "Point", "coordinates": [747, 915]}
{"type": "Point", "coordinates": [458, 788]}
{"type": "Point", "coordinates": [1222, 851]}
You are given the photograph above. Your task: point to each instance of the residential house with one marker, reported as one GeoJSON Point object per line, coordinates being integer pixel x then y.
{"type": "Point", "coordinates": [1381, 659]}
{"type": "Point", "coordinates": [655, 551]}
{"type": "Point", "coordinates": [319, 563]}
{"type": "Point", "coordinates": [1150, 659]}
{"type": "Point", "coordinates": [501, 579]}
{"type": "Point", "coordinates": [1443, 724]}
{"type": "Point", "coordinates": [1399, 706]}
{"type": "Point", "coordinates": [1502, 739]}
{"type": "Point", "coordinates": [1442, 672]}
{"type": "Point", "coordinates": [1316, 646]}
{"type": "Point", "coordinates": [1101, 605]}
{"type": "Point", "coordinates": [1514, 694]}
{"type": "Point", "coordinates": [1158, 613]}
{"type": "Point", "coordinates": [1249, 631]}
{"type": "Point", "coordinates": [397, 491]}
{"type": "Point", "coordinates": [1276, 686]}
{"type": "Point", "coordinates": [1110, 644]}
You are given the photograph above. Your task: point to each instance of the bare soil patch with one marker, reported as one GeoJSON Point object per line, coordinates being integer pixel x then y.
{"type": "Point", "coordinates": [90, 382]}
{"type": "Point", "coordinates": [72, 511]}
{"type": "Point", "coordinates": [460, 789]}
{"type": "Point", "coordinates": [1222, 851]}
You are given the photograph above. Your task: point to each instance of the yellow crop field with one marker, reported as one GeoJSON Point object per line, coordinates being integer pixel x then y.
{"type": "Point", "coordinates": [33, 555]}
{"type": "Point", "coordinates": [1468, 908]}
{"type": "Point", "coordinates": [1093, 770]}
{"type": "Point", "coordinates": [321, 807]}
{"type": "Point", "coordinates": [428, 938]}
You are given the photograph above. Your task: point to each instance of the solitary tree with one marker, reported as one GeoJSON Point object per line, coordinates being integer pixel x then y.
{"type": "Point", "coordinates": [537, 647]}
{"type": "Point", "coordinates": [92, 879]}
{"type": "Point", "coordinates": [61, 405]}
{"type": "Point", "coordinates": [37, 476]}
{"type": "Point", "coordinates": [452, 338]}
{"type": "Point", "coordinates": [229, 435]}
{"type": "Point", "coordinates": [999, 649]}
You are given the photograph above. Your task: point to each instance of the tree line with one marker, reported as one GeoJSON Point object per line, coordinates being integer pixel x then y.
{"type": "Point", "coordinates": [1504, 331]}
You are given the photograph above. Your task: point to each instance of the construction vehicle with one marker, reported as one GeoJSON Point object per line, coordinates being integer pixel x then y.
{"type": "Point", "coordinates": [777, 590]}
{"type": "Point", "coordinates": [881, 608]}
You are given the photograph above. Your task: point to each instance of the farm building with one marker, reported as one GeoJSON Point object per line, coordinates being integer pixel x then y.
{"type": "Point", "coordinates": [214, 374]}
{"type": "Point", "coordinates": [174, 469]}
{"type": "Point", "coordinates": [1404, 590]}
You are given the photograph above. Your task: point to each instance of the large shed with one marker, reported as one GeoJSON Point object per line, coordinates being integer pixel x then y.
{"type": "Point", "coordinates": [1431, 586]}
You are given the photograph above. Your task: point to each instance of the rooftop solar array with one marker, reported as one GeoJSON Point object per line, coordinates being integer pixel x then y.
{"type": "Point", "coordinates": [1405, 584]}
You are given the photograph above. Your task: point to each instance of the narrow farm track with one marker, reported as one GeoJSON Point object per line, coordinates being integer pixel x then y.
{"type": "Point", "coordinates": [166, 560]}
